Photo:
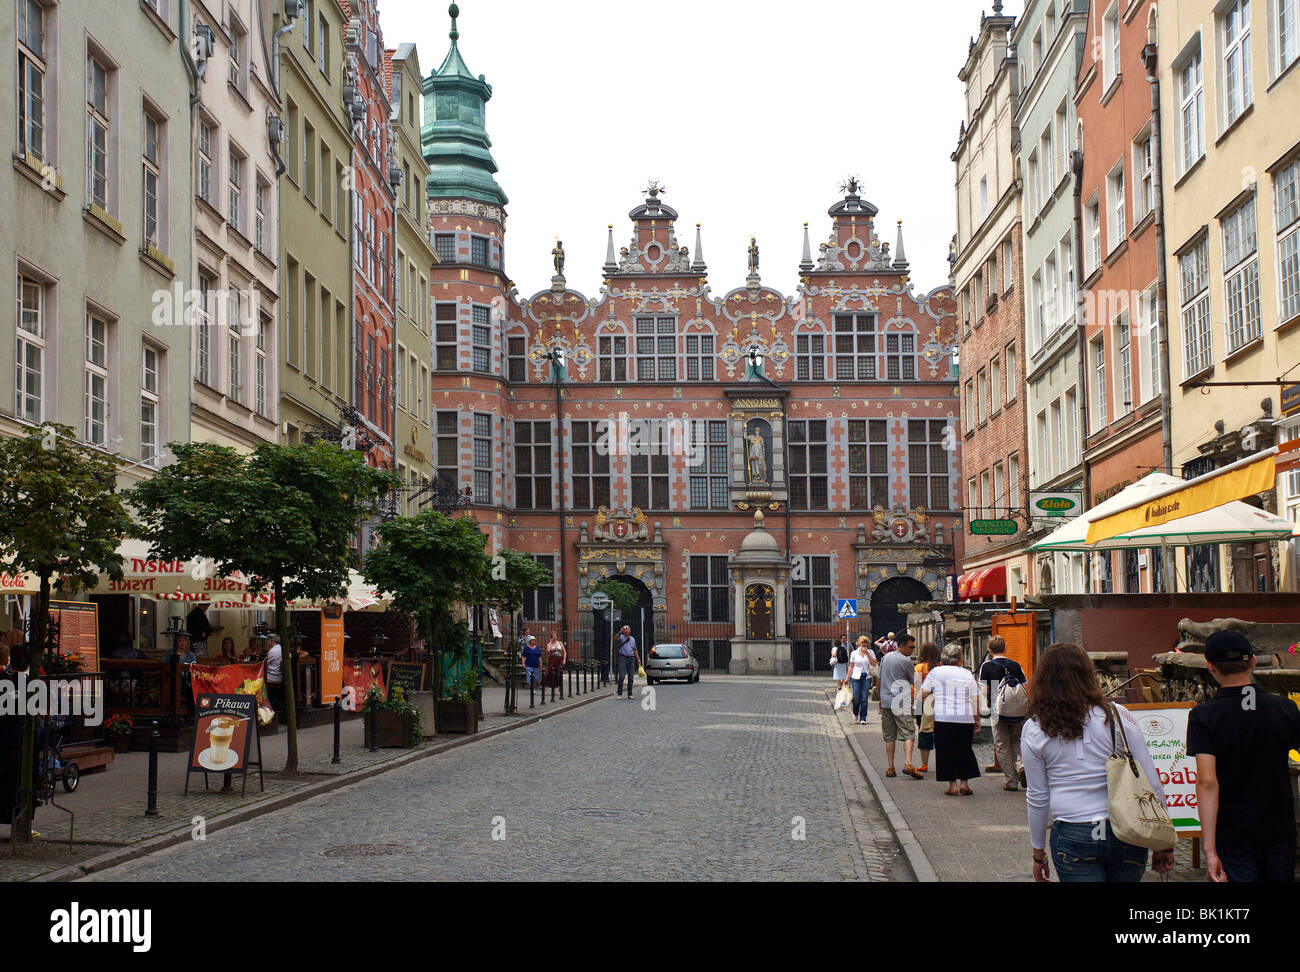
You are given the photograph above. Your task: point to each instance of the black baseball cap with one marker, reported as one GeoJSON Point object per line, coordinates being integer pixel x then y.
{"type": "Point", "coordinates": [1227, 646]}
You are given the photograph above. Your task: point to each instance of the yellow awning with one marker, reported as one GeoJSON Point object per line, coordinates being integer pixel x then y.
{"type": "Point", "coordinates": [1256, 474]}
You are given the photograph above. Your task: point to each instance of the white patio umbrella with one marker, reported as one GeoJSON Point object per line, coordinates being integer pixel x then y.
{"type": "Point", "coordinates": [1234, 522]}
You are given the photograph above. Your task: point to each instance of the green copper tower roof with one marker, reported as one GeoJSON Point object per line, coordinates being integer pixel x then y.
{"type": "Point", "coordinates": [454, 140]}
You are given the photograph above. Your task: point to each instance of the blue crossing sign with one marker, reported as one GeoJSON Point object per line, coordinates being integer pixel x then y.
{"type": "Point", "coordinates": [848, 608]}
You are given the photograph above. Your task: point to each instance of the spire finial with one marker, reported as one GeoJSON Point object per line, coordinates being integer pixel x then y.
{"type": "Point", "coordinates": [454, 34]}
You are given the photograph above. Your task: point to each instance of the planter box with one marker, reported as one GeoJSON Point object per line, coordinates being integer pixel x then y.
{"type": "Point", "coordinates": [392, 730]}
{"type": "Point", "coordinates": [122, 743]}
{"type": "Point", "coordinates": [457, 716]}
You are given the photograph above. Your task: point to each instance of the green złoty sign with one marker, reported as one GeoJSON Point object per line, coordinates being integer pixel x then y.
{"type": "Point", "coordinates": [985, 528]}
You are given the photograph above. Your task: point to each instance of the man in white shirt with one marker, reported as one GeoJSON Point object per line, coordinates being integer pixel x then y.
{"type": "Point", "coordinates": [275, 673]}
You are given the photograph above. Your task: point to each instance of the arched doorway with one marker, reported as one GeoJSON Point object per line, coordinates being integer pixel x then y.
{"type": "Point", "coordinates": [641, 619]}
{"type": "Point", "coordinates": [885, 616]}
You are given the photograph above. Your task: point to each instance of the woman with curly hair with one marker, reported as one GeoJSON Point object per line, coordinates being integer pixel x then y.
{"type": "Point", "coordinates": [1069, 735]}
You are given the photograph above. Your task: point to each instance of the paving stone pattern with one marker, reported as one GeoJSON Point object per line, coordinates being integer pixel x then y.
{"type": "Point", "coordinates": [706, 786]}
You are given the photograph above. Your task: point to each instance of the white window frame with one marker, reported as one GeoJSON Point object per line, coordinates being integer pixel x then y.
{"type": "Point", "coordinates": [1110, 47]}
{"type": "Point", "coordinates": [1123, 343]}
{"type": "Point", "coordinates": [30, 348]}
{"type": "Point", "coordinates": [237, 308]}
{"type": "Point", "coordinates": [99, 132]}
{"type": "Point", "coordinates": [1117, 210]}
{"type": "Point", "coordinates": [235, 188]}
{"type": "Point", "coordinates": [1144, 198]}
{"type": "Point", "coordinates": [1239, 244]}
{"type": "Point", "coordinates": [34, 99]}
{"type": "Point", "coordinates": [1092, 230]}
{"type": "Point", "coordinates": [1194, 305]}
{"type": "Point", "coordinates": [1286, 210]}
{"type": "Point", "coordinates": [203, 310]}
{"type": "Point", "coordinates": [97, 338]}
{"type": "Point", "coordinates": [206, 173]}
{"type": "Point", "coordinates": [1284, 28]}
{"type": "Point", "coordinates": [1100, 412]}
{"type": "Point", "coordinates": [150, 403]}
{"type": "Point", "coordinates": [1235, 60]}
{"type": "Point", "coordinates": [1190, 93]}
{"type": "Point", "coordinates": [260, 372]}
{"type": "Point", "coordinates": [152, 175]}
{"type": "Point", "coordinates": [1009, 371]}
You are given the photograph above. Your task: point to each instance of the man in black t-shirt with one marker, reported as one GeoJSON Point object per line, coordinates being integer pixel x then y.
{"type": "Point", "coordinates": [1241, 739]}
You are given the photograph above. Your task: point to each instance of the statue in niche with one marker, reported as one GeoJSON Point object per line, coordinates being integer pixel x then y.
{"type": "Point", "coordinates": [758, 452]}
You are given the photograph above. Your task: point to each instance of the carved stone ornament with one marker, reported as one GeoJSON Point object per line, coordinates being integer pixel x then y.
{"type": "Point", "coordinates": [620, 526]}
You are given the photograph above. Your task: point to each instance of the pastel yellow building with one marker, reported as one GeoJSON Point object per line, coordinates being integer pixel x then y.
{"type": "Point", "coordinates": [1230, 119]}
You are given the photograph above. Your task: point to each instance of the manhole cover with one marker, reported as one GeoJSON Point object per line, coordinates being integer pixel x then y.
{"type": "Point", "coordinates": [365, 850]}
{"type": "Point", "coordinates": [601, 814]}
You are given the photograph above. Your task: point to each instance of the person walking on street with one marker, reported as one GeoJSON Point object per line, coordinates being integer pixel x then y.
{"type": "Point", "coordinates": [897, 721]}
{"type": "Point", "coordinates": [531, 656]}
{"type": "Point", "coordinates": [1068, 739]}
{"type": "Point", "coordinates": [885, 645]}
{"type": "Point", "coordinates": [1008, 707]}
{"type": "Point", "coordinates": [1241, 739]}
{"type": "Point", "coordinates": [860, 662]}
{"type": "Point", "coordinates": [840, 661]}
{"type": "Point", "coordinates": [556, 656]}
{"type": "Point", "coordinates": [929, 661]}
{"type": "Point", "coordinates": [629, 660]}
{"type": "Point", "coordinates": [275, 674]}
{"type": "Point", "coordinates": [956, 720]}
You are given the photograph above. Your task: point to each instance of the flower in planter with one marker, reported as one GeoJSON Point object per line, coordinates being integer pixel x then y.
{"type": "Point", "coordinates": [120, 724]}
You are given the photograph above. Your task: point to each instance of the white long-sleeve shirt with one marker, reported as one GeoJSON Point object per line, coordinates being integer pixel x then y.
{"type": "Point", "coordinates": [1068, 777]}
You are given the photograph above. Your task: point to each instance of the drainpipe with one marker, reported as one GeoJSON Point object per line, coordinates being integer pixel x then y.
{"type": "Point", "coordinates": [1080, 325]}
{"type": "Point", "coordinates": [292, 10]}
{"type": "Point", "coordinates": [1149, 59]}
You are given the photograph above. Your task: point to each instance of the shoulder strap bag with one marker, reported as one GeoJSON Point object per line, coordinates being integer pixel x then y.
{"type": "Point", "coordinates": [1137, 813]}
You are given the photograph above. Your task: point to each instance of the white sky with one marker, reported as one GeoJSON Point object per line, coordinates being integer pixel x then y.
{"type": "Point", "coordinates": [750, 112]}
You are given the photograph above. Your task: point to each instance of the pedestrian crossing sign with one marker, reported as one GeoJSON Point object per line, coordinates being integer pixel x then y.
{"type": "Point", "coordinates": [848, 608]}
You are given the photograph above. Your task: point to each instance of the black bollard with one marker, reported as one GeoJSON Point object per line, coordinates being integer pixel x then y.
{"type": "Point", "coordinates": [338, 721]}
{"type": "Point", "coordinates": [530, 693]}
{"type": "Point", "coordinates": [371, 712]}
{"type": "Point", "coordinates": [151, 810]}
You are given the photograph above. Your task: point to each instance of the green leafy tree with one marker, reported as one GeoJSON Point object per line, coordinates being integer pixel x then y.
{"type": "Point", "coordinates": [623, 596]}
{"type": "Point", "coordinates": [512, 575]}
{"type": "Point", "coordinates": [283, 515]}
{"type": "Point", "coordinates": [429, 563]}
{"type": "Point", "coordinates": [61, 520]}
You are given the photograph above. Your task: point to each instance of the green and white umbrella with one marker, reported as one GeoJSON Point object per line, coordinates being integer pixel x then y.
{"type": "Point", "coordinates": [1234, 522]}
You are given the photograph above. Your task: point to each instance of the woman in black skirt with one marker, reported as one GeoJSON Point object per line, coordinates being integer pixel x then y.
{"type": "Point", "coordinates": [956, 720]}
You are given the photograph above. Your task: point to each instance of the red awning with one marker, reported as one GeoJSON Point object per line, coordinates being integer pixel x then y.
{"type": "Point", "coordinates": [963, 586]}
{"type": "Point", "coordinates": [990, 582]}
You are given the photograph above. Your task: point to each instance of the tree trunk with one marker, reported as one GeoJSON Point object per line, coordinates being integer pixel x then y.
{"type": "Point", "coordinates": [21, 831]}
{"type": "Point", "coordinates": [286, 672]}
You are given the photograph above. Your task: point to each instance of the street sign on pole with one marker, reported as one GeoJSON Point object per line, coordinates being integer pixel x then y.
{"type": "Point", "coordinates": [848, 608]}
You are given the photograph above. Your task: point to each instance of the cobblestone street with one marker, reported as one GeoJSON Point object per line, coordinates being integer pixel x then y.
{"type": "Point", "coordinates": [718, 781]}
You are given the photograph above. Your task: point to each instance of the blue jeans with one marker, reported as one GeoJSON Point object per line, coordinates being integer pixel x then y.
{"type": "Point", "coordinates": [1270, 862]}
{"type": "Point", "coordinates": [533, 675]}
{"type": "Point", "coordinates": [1078, 857]}
{"type": "Point", "coordinates": [626, 664]}
{"type": "Point", "coordinates": [861, 696]}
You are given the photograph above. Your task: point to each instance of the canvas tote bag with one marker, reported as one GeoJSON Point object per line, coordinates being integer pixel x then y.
{"type": "Point", "coordinates": [1137, 813]}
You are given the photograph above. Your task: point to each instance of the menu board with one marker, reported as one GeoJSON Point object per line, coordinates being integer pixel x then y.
{"type": "Point", "coordinates": [409, 675]}
{"type": "Point", "coordinates": [78, 623]}
{"type": "Point", "coordinates": [224, 728]}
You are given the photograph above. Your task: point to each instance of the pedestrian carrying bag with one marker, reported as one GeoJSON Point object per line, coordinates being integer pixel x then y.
{"type": "Point", "coordinates": [1012, 699]}
{"type": "Point", "coordinates": [1137, 813]}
